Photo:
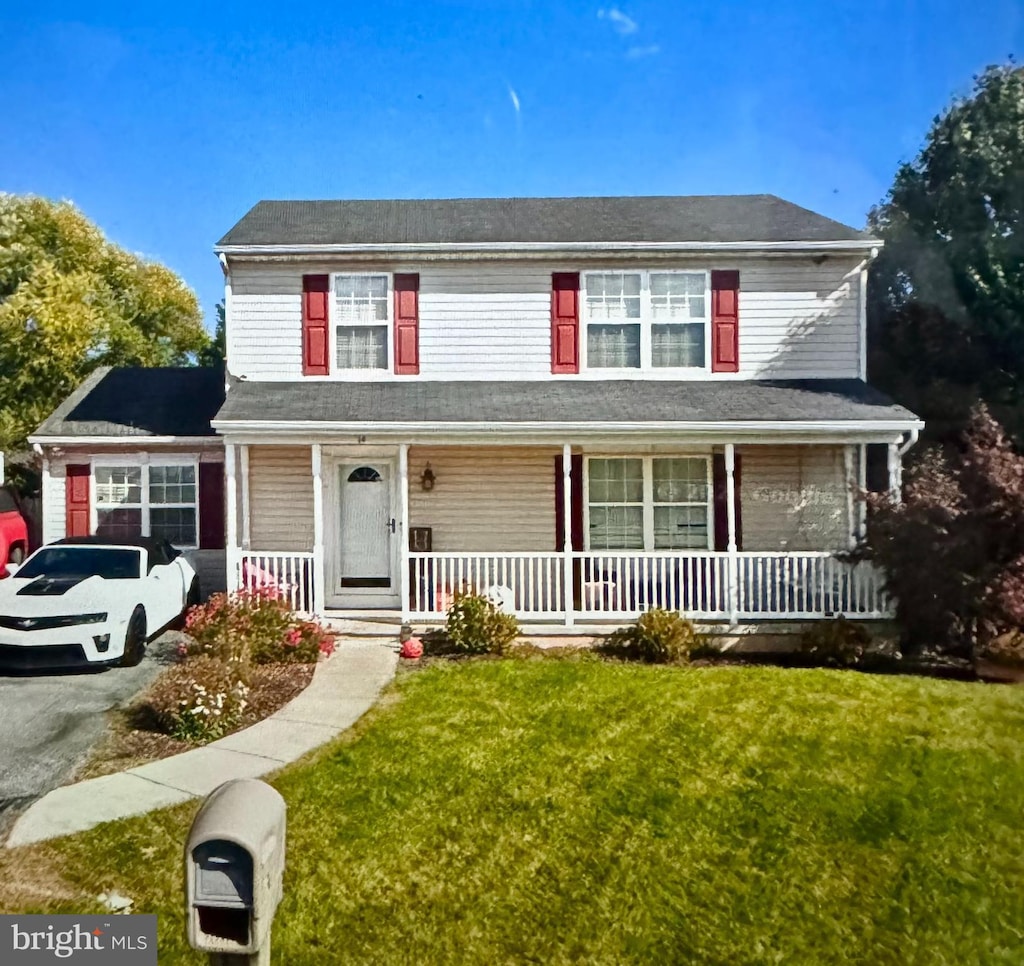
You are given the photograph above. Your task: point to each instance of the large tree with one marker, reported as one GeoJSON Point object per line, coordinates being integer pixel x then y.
{"type": "Point", "coordinates": [71, 301]}
{"type": "Point", "coordinates": [946, 313]}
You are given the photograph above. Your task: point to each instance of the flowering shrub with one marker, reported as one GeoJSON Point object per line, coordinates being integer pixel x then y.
{"type": "Point", "coordinates": [254, 625]}
{"type": "Point", "coordinates": [199, 700]}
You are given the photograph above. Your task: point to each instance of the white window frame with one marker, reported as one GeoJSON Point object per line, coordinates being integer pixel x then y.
{"type": "Point", "coordinates": [646, 320]}
{"type": "Point", "coordinates": [145, 460]}
{"type": "Point", "coordinates": [334, 322]}
{"type": "Point", "coordinates": [648, 500]}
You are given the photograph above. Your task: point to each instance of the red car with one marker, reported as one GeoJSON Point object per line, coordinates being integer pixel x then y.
{"type": "Point", "coordinates": [13, 530]}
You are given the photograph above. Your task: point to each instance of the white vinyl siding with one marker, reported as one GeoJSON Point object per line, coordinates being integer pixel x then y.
{"type": "Point", "coordinates": [55, 501]}
{"type": "Point", "coordinates": [794, 498]}
{"type": "Point", "coordinates": [492, 319]}
{"type": "Point", "coordinates": [280, 498]}
{"type": "Point", "coordinates": [485, 499]}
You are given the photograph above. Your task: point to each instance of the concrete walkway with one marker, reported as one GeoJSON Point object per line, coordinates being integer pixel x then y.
{"type": "Point", "coordinates": [343, 688]}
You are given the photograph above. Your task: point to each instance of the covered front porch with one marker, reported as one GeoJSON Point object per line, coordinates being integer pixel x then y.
{"type": "Point", "coordinates": [396, 530]}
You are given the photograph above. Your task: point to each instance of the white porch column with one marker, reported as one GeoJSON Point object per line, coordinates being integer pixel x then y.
{"type": "Point", "coordinates": [851, 485]}
{"type": "Point", "coordinates": [567, 533]}
{"type": "Point", "coordinates": [246, 543]}
{"type": "Point", "coordinates": [403, 529]}
{"type": "Point", "coordinates": [730, 509]}
{"type": "Point", "coordinates": [895, 466]}
{"type": "Point", "coordinates": [319, 577]}
{"type": "Point", "coordinates": [231, 512]}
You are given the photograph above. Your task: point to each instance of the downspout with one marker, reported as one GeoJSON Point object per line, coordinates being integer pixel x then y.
{"type": "Point", "coordinates": [905, 448]}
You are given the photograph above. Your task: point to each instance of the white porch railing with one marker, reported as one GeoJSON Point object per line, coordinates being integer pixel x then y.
{"type": "Point", "coordinates": [534, 579]}
{"type": "Point", "coordinates": [610, 585]}
{"type": "Point", "coordinates": [289, 575]}
{"type": "Point", "coordinates": [613, 585]}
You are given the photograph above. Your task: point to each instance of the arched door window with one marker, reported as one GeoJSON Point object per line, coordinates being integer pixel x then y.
{"type": "Point", "coordinates": [364, 474]}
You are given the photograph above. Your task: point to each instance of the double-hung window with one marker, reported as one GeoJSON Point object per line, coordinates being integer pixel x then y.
{"type": "Point", "coordinates": [159, 500]}
{"type": "Point", "coordinates": [118, 501]}
{"type": "Point", "coordinates": [647, 319]}
{"type": "Point", "coordinates": [649, 503]}
{"type": "Point", "coordinates": [362, 315]}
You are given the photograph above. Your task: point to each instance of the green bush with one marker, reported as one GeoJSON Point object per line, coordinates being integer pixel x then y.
{"type": "Point", "coordinates": [835, 643]}
{"type": "Point", "coordinates": [657, 637]}
{"type": "Point", "coordinates": [476, 626]}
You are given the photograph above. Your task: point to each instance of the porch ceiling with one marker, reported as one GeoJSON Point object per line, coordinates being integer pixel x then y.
{"type": "Point", "coordinates": [589, 405]}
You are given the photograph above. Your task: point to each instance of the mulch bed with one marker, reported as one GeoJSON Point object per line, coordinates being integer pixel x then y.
{"type": "Point", "coordinates": [127, 745]}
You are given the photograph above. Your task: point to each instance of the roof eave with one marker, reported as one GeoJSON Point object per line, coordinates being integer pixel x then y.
{"type": "Point", "coordinates": [100, 440]}
{"type": "Point", "coordinates": [559, 431]}
{"type": "Point", "coordinates": [575, 249]}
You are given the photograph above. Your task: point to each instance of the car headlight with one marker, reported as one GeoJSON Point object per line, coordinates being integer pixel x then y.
{"type": "Point", "coordinates": [90, 618]}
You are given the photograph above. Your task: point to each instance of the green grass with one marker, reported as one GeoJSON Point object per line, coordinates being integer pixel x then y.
{"type": "Point", "coordinates": [578, 811]}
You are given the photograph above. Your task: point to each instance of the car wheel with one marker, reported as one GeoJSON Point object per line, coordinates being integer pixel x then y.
{"type": "Point", "coordinates": [16, 555]}
{"type": "Point", "coordinates": [134, 639]}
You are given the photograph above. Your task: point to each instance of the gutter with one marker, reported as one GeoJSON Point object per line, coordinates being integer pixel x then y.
{"type": "Point", "coordinates": [139, 441]}
{"type": "Point", "coordinates": [575, 249]}
{"type": "Point", "coordinates": [548, 429]}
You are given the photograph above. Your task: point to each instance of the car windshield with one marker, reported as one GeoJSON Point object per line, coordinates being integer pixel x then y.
{"type": "Point", "coordinates": [110, 563]}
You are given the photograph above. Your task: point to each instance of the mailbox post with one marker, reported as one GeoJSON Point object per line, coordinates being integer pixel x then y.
{"type": "Point", "coordinates": [234, 865]}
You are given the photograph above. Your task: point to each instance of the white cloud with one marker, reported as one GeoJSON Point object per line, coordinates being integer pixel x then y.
{"type": "Point", "coordinates": [649, 51]}
{"type": "Point", "coordinates": [514, 97]}
{"type": "Point", "coordinates": [622, 23]}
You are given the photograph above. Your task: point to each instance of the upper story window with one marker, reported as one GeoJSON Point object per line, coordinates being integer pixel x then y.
{"type": "Point", "coordinates": [646, 319]}
{"type": "Point", "coordinates": [362, 315]}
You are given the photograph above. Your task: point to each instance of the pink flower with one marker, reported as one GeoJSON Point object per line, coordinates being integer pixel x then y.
{"type": "Point", "coordinates": [293, 638]}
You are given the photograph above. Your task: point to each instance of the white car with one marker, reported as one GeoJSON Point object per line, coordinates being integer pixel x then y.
{"type": "Point", "coordinates": [92, 600]}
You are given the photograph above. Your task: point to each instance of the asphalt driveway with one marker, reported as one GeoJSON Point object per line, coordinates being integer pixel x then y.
{"type": "Point", "coordinates": [48, 723]}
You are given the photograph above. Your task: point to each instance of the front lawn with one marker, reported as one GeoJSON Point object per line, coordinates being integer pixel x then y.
{"type": "Point", "coordinates": [580, 811]}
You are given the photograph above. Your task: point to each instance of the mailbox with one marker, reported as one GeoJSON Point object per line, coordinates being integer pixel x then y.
{"type": "Point", "coordinates": [234, 866]}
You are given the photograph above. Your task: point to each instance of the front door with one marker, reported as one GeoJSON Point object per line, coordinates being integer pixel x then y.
{"type": "Point", "coordinates": [365, 568]}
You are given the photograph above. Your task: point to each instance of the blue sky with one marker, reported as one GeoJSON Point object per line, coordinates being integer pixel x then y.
{"type": "Point", "coordinates": [165, 124]}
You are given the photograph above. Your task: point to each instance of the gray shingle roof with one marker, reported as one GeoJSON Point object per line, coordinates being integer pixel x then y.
{"type": "Point", "coordinates": [570, 402]}
{"type": "Point", "coordinates": [682, 219]}
{"type": "Point", "coordinates": [138, 402]}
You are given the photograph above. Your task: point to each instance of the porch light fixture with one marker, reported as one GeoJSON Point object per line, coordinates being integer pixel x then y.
{"type": "Point", "coordinates": [427, 478]}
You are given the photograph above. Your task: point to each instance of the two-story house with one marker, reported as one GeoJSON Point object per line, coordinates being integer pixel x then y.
{"type": "Point", "coordinates": [585, 406]}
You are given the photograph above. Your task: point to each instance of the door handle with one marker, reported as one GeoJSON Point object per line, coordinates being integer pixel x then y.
{"type": "Point", "coordinates": [391, 525]}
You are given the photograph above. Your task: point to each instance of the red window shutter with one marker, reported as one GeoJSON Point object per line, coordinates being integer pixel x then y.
{"type": "Point", "coordinates": [721, 501]}
{"type": "Point", "coordinates": [565, 322]}
{"type": "Point", "coordinates": [725, 321]}
{"type": "Point", "coordinates": [211, 506]}
{"type": "Point", "coordinates": [76, 506]}
{"type": "Point", "coordinates": [316, 291]}
{"type": "Point", "coordinates": [407, 325]}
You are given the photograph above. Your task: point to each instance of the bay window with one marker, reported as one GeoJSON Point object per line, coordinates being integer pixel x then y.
{"type": "Point", "coordinates": [362, 315]}
{"type": "Point", "coordinates": [646, 319]}
{"type": "Point", "coordinates": [649, 503]}
{"type": "Point", "coordinates": [142, 499]}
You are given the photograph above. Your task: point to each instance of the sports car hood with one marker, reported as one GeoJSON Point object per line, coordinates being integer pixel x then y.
{"type": "Point", "coordinates": [65, 595]}
{"type": "Point", "coordinates": [49, 586]}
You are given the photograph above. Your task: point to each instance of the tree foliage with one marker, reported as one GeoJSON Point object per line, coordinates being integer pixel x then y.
{"type": "Point", "coordinates": [946, 309]}
{"type": "Point", "coordinates": [953, 551]}
{"type": "Point", "coordinates": [71, 301]}
{"type": "Point", "coordinates": [216, 353]}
